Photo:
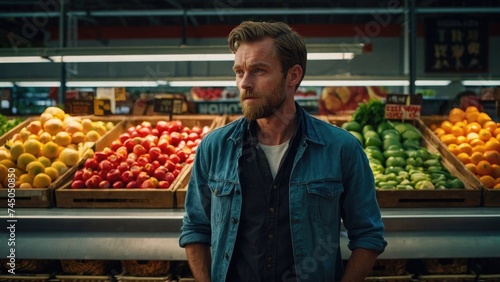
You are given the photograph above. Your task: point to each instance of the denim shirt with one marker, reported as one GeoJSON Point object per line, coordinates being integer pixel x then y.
{"type": "Point", "coordinates": [330, 180]}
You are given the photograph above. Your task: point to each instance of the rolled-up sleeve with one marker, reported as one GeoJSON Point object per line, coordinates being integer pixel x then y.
{"type": "Point", "coordinates": [360, 210]}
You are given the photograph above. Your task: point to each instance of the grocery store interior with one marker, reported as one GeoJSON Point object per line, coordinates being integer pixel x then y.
{"type": "Point", "coordinates": [80, 78]}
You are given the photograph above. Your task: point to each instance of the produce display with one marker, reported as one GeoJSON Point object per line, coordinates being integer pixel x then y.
{"type": "Point", "coordinates": [334, 99]}
{"type": "Point", "coordinates": [43, 150]}
{"type": "Point", "coordinates": [8, 124]}
{"type": "Point", "coordinates": [397, 159]}
{"type": "Point", "coordinates": [474, 138]}
{"type": "Point", "coordinates": [145, 156]}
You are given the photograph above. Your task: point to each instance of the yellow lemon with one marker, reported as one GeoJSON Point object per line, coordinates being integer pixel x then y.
{"type": "Point", "coordinates": [45, 137]}
{"type": "Point", "coordinates": [53, 126]}
{"type": "Point", "coordinates": [33, 146]}
{"type": "Point", "coordinates": [24, 134]}
{"type": "Point", "coordinates": [3, 172]}
{"type": "Point", "coordinates": [78, 137]}
{"type": "Point", "coordinates": [8, 163]}
{"type": "Point", "coordinates": [56, 112]}
{"type": "Point", "coordinates": [41, 180]}
{"type": "Point", "coordinates": [52, 172]}
{"type": "Point", "coordinates": [16, 150]}
{"type": "Point", "coordinates": [69, 156]}
{"type": "Point", "coordinates": [45, 161]}
{"type": "Point", "coordinates": [4, 154]}
{"type": "Point", "coordinates": [62, 138]}
{"type": "Point", "coordinates": [35, 168]}
{"type": "Point", "coordinates": [73, 126]}
{"type": "Point", "coordinates": [25, 178]}
{"type": "Point", "coordinates": [25, 185]}
{"type": "Point", "coordinates": [101, 129]}
{"type": "Point", "coordinates": [60, 167]}
{"type": "Point", "coordinates": [92, 136]}
{"type": "Point", "coordinates": [44, 117]}
{"type": "Point", "coordinates": [109, 125]}
{"type": "Point", "coordinates": [86, 125]}
{"type": "Point", "coordinates": [24, 160]}
{"type": "Point", "coordinates": [50, 150]}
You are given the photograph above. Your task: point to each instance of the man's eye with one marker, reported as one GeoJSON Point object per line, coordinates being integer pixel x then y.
{"type": "Point", "coordinates": [259, 70]}
{"type": "Point", "coordinates": [238, 72]}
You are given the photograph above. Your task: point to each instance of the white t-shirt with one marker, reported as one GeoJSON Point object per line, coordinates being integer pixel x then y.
{"type": "Point", "coordinates": [274, 154]}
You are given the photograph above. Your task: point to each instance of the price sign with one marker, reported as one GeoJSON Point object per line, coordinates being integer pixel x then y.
{"type": "Point", "coordinates": [168, 106]}
{"type": "Point", "coordinates": [401, 106]}
{"type": "Point", "coordinates": [102, 107]}
{"type": "Point", "coordinates": [79, 107]}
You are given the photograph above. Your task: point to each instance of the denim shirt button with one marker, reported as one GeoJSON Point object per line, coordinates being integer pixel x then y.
{"type": "Point", "coordinates": [329, 195]}
{"type": "Point", "coordinates": [216, 192]}
{"type": "Point", "coordinates": [271, 236]}
{"type": "Point", "coordinates": [226, 256]}
{"type": "Point", "coordinates": [275, 187]}
{"type": "Point", "coordinates": [269, 265]}
{"type": "Point", "coordinates": [234, 220]}
{"type": "Point", "coordinates": [271, 210]}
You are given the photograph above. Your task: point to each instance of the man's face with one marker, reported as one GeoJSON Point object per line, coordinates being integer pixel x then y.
{"type": "Point", "coordinates": [259, 79]}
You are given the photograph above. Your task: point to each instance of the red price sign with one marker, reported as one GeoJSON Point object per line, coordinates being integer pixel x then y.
{"type": "Point", "coordinates": [403, 107]}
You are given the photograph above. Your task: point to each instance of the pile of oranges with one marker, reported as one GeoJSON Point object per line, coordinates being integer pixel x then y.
{"type": "Point", "coordinates": [474, 138]}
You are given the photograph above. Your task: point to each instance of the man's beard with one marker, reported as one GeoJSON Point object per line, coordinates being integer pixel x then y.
{"type": "Point", "coordinates": [265, 105]}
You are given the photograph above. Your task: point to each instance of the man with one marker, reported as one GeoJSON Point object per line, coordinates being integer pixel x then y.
{"type": "Point", "coordinates": [267, 192]}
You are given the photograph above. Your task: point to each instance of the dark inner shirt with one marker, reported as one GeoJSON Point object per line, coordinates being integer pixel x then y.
{"type": "Point", "coordinates": [263, 249]}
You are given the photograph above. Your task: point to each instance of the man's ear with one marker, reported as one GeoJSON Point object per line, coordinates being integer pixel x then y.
{"type": "Point", "coordinates": [294, 75]}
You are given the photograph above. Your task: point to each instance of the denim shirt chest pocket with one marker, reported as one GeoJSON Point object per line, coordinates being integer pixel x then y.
{"type": "Point", "coordinates": [222, 197]}
{"type": "Point", "coordinates": [323, 200]}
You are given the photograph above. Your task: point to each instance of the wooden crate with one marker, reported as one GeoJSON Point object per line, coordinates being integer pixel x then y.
{"type": "Point", "coordinates": [128, 198]}
{"type": "Point", "coordinates": [489, 197]}
{"type": "Point", "coordinates": [24, 277]}
{"type": "Point", "coordinates": [468, 197]}
{"type": "Point", "coordinates": [45, 197]}
{"type": "Point", "coordinates": [182, 186]}
{"type": "Point", "coordinates": [397, 278]}
{"type": "Point", "coordinates": [83, 278]}
{"type": "Point", "coordinates": [447, 278]}
{"type": "Point", "coordinates": [9, 134]}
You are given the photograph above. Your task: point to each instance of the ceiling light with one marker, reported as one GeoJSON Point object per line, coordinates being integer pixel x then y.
{"type": "Point", "coordinates": [143, 58]}
{"type": "Point", "coordinates": [140, 83]}
{"type": "Point", "coordinates": [38, 83]}
{"type": "Point", "coordinates": [203, 83]}
{"type": "Point", "coordinates": [481, 82]}
{"type": "Point", "coordinates": [330, 56]}
{"type": "Point", "coordinates": [432, 82]}
{"type": "Point", "coordinates": [23, 59]}
{"type": "Point", "coordinates": [6, 84]}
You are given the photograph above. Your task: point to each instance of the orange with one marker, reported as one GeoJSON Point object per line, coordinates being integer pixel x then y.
{"type": "Point", "coordinates": [476, 141]}
{"type": "Point", "coordinates": [471, 167]}
{"type": "Point", "coordinates": [465, 148]}
{"type": "Point", "coordinates": [482, 118]}
{"type": "Point", "coordinates": [449, 139]}
{"type": "Point", "coordinates": [476, 157]}
{"type": "Point", "coordinates": [456, 115]}
{"type": "Point", "coordinates": [497, 131]}
{"type": "Point", "coordinates": [471, 109]}
{"type": "Point", "coordinates": [464, 158]}
{"type": "Point", "coordinates": [492, 145]}
{"type": "Point", "coordinates": [454, 149]}
{"type": "Point", "coordinates": [478, 148]}
{"type": "Point", "coordinates": [497, 186]}
{"type": "Point", "coordinates": [461, 124]}
{"type": "Point", "coordinates": [497, 180]}
{"type": "Point", "coordinates": [472, 127]}
{"type": "Point", "coordinates": [471, 116]}
{"type": "Point", "coordinates": [493, 157]}
{"type": "Point", "coordinates": [439, 132]}
{"type": "Point", "coordinates": [491, 126]}
{"type": "Point", "coordinates": [487, 181]}
{"type": "Point", "coordinates": [446, 126]}
{"type": "Point", "coordinates": [484, 134]}
{"type": "Point", "coordinates": [457, 131]}
{"type": "Point", "coordinates": [433, 126]}
{"type": "Point", "coordinates": [461, 140]}
{"type": "Point", "coordinates": [472, 136]}
{"type": "Point", "coordinates": [495, 171]}
{"type": "Point", "coordinates": [483, 168]}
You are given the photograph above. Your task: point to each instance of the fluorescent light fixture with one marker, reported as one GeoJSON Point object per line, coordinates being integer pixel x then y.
{"type": "Point", "coordinates": [38, 83]}
{"type": "Point", "coordinates": [143, 58]}
{"type": "Point", "coordinates": [6, 84]}
{"type": "Point", "coordinates": [432, 82]}
{"type": "Point", "coordinates": [481, 82]}
{"type": "Point", "coordinates": [202, 83]}
{"type": "Point", "coordinates": [330, 56]}
{"type": "Point", "coordinates": [139, 83]}
{"type": "Point", "coordinates": [23, 59]}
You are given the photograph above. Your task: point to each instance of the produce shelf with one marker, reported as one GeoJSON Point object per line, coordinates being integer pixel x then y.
{"type": "Point", "coordinates": [152, 234]}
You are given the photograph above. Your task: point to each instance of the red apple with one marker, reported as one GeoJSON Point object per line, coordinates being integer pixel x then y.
{"type": "Point", "coordinates": [104, 184]}
{"type": "Point", "coordinates": [161, 126]}
{"type": "Point", "coordinates": [118, 185]}
{"type": "Point", "coordinates": [139, 150]}
{"type": "Point", "coordinates": [170, 177]}
{"type": "Point", "coordinates": [127, 176]}
{"type": "Point", "coordinates": [123, 137]}
{"type": "Point", "coordinates": [77, 184]}
{"type": "Point", "coordinates": [132, 185]}
{"type": "Point", "coordinates": [115, 144]}
{"type": "Point", "coordinates": [100, 156]}
{"type": "Point", "coordinates": [93, 182]}
{"type": "Point", "coordinates": [163, 184]}
{"type": "Point", "coordinates": [113, 175]}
